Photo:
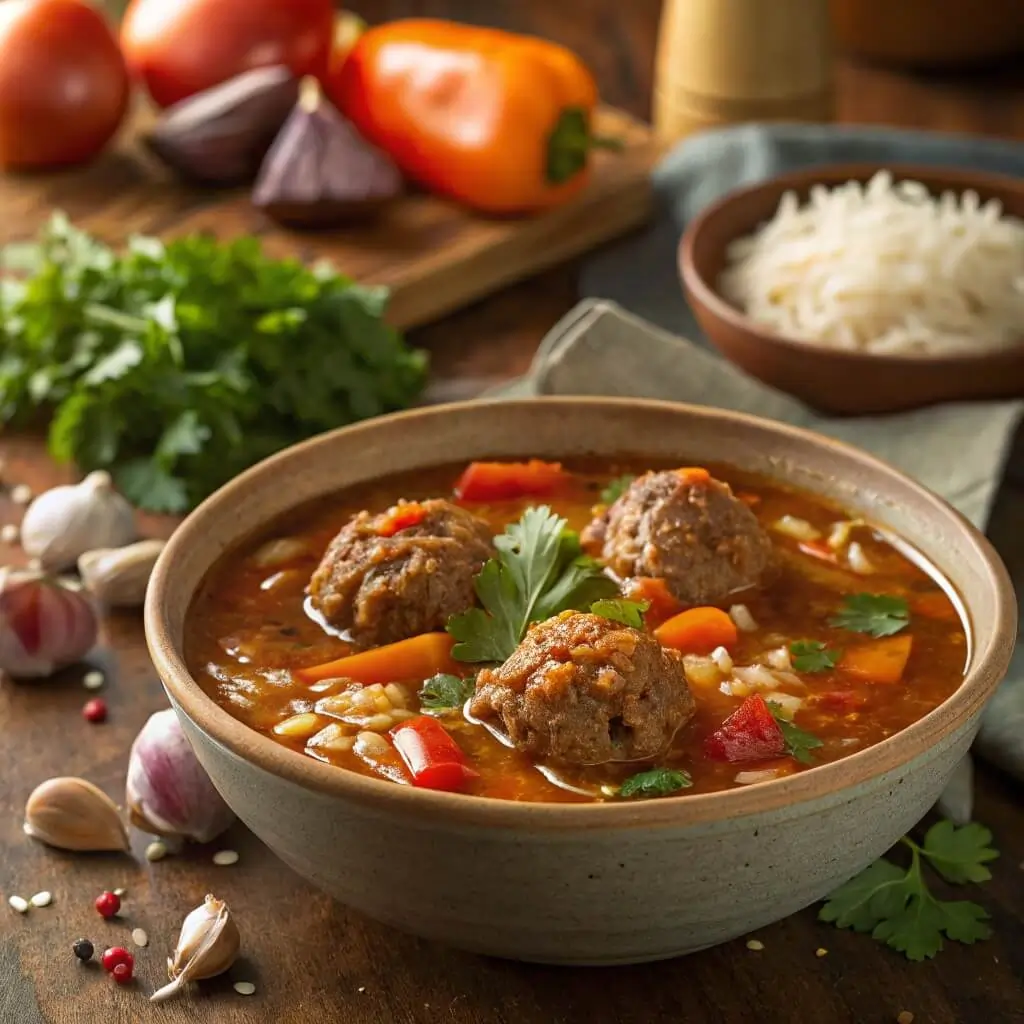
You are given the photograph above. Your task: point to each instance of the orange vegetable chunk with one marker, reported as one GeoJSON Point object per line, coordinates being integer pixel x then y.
{"type": "Point", "coordinates": [698, 631]}
{"type": "Point", "coordinates": [417, 658]}
{"type": "Point", "coordinates": [881, 661]}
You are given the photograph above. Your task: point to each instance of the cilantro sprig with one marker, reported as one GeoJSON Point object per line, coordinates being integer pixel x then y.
{"type": "Point", "coordinates": [799, 742]}
{"type": "Point", "coordinates": [897, 907]}
{"type": "Point", "coordinates": [175, 366]}
{"type": "Point", "coordinates": [539, 571]}
{"type": "Point", "coordinates": [877, 615]}
{"type": "Point", "coordinates": [616, 488]}
{"type": "Point", "coordinates": [445, 692]}
{"type": "Point", "coordinates": [813, 656]}
{"type": "Point", "coordinates": [655, 782]}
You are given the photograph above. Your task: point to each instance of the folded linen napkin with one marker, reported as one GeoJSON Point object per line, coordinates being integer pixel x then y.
{"type": "Point", "coordinates": [961, 451]}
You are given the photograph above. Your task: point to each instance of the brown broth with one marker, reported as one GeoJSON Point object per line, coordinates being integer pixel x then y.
{"type": "Point", "coordinates": [248, 630]}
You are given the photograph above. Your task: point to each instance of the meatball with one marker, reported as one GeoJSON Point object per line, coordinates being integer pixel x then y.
{"type": "Point", "coordinates": [406, 571]}
{"type": "Point", "coordinates": [581, 689]}
{"type": "Point", "coordinates": [686, 528]}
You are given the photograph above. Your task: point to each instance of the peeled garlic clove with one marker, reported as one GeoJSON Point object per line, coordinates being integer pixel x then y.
{"type": "Point", "coordinates": [73, 814]}
{"type": "Point", "coordinates": [44, 625]}
{"type": "Point", "coordinates": [168, 790]}
{"type": "Point", "coordinates": [119, 576]}
{"type": "Point", "coordinates": [207, 946]}
{"type": "Point", "coordinates": [320, 171]}
{"type": "Point", "coordinates": [219, 136]}
{"type": "Point", "coordinates": [64, 522]}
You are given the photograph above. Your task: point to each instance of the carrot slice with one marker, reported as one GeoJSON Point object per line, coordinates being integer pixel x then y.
{"type": "Point", "coordinates": [934, 605]}
{"type": "Point", "coordinates": [881, 661]}
{"type": "Point", "coordinates": [693, 475]}
{"type": "Point", "coordinates": [401, 517]}
{"type": "Point", "coordinates": [698, 631]}
{"type": "Point", "coordinates": [419, 657]}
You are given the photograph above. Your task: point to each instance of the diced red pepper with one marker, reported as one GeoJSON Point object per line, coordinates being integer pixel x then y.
{"type": "Point", "coordinates": [750, 733]}
{"type": "Point", "coordinates": [818, 549]}
{"type": "Point", "coordinates": [433, 758]}
{"type": "Point", "coordinates": [504, 481]}
{"type": "Point", "coordinates": [401, 517]}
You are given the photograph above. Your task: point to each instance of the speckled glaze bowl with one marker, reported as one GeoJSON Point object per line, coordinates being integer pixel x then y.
{"type": "Point", "coordinates": [590, 883]}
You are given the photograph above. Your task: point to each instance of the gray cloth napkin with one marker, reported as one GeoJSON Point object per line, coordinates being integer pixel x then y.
{"type": "Point", "coordinates": [602, 347]}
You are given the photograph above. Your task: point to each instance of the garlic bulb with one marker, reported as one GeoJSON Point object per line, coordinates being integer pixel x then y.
{"type": "Point", "coordinates": [64, 522]}
{"type": "Point", "coordinates": [119, 576]}
{"type": "Point", "coordinates": [207, 946]}
{"type": "Point", "coordinates": [169, 792]}
{"type": "Point", "coordinates": [43, 624]}
{"type": "Point", "coordinates": [73, 814]}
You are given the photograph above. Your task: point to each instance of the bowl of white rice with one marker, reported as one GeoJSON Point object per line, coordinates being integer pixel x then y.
{"type": "Point", "coordinates": [862, 289]}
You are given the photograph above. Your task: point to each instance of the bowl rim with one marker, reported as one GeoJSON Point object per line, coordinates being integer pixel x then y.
{"type": "Point", "coordinates": [826, 780]}
{"type": "Point", "coordinates": [701, 291]}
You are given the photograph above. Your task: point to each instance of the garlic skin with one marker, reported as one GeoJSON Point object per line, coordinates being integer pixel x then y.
{"type": "Point", "coordinates": [64, 522]}
{"type": "Point", "coordinates": [168, 790]}
{"type": "Point", "coordinates": [73, 814]}
{"type": "Point", "coordinates": [207, 946]}
{"type": "Point", "coordinates": [119, 576]}
{"type": "Point", "coordinates": [44, 625]}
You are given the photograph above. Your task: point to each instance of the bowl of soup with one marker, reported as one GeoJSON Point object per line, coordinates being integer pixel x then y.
{"type": "Point", "coordinates": [578, 680]}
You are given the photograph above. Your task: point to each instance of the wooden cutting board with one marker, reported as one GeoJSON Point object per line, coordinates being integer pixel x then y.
{"type": "Point", "coordinates": [434, 256]}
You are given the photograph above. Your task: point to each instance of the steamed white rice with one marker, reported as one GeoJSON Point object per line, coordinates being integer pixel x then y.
{"type": "Point", "coordinates": [884, 267]}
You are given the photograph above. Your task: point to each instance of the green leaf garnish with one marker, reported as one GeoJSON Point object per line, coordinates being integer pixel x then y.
{"type": "Point", "coordinates": [176, 365]}
{"type": "Point", "coordinates": [897, 907]}
{"type": "Point", "coordinates": [656, 782]}
{"type": "Point", "coordinates": [538, 572]}
{"type": "Point", "coordinates": [619, 609]}
{"type": "Point", "coordinates": [799, 742]}
{"type": "Point", "coordinates": [444, 692]}
{"type": "Point", "coordinates": [813, 656]}
{"type": "Point", "coordinates": [616, 488]}
{"type": "Point", "coordinates": [875, 614]}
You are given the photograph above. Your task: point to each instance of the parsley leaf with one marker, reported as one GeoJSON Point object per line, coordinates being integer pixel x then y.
{"type": "Point", "coordinates": [799, 742]}
{"type": "Point", "coordinates": [959, 854]}
{"type": "Point", "coordinates": [538, 572]}
{"type": "Point", "coordinates": [616, 488]}
{"type": "Point", "coordinates": [176, 365]}
{"type": "Point", "coordinates": [875, 614]}
{"type": "Point", "coordinates": [444, 692]}
{"type": "Point", "coordinates": [655, 782]}
{"type": "Point", "coordinates": [897, 907]}
{"type": "Point", "coordinates": [813, 656]}
{"type": "Point", "coordinates": [619, 609]}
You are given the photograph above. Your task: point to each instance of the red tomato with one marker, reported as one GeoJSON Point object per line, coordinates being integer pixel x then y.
{"type": "Point", "coordinates": [750, 733]}
{"type": "Point", "coordinates": [504, 481]}
{"type": "Point", "coordinates": [63, 83]}
{"type": "Point", "coordinates": [180, 47]}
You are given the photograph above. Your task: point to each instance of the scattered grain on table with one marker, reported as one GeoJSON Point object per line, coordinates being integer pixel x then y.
{"type": "Point", "coordinates": [225, 858]}
{"type": "Point", "coordinates": [21, 494]}
{"type": "Point", "coordinates": [244, 988]}
{"type": "Point", "coordinates": [821, 951]}
{"type": "Point", "coordinates": [755, 944]}
{"type": "Point", "coordinates": [93, 680]}
{"type": "Point", "coordinates": [139, 937]}
{"type": "Point", "coordinates": [18, 903]}
{"type": "Point", "coordinates": [904, 1017]}
{"type": "Point", "coordinates": [156, 851]}
{"type": "Point", "coordinates": [9, 534]}
{"type": "Point", "coordinates": [42, 899]}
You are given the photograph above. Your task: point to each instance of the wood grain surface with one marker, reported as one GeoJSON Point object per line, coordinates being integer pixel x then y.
{"type": "Point", "coordinates": [311, 959]}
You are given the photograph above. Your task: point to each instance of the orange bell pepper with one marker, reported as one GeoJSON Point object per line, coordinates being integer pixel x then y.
{"type": "Point", "coordinates": [498, 121]}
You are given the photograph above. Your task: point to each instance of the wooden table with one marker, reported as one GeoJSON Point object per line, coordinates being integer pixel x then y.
{"type": "Point", "coordinates": [314, 961]}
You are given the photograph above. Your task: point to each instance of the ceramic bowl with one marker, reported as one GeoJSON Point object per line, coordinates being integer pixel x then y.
{"type": "Point", "coordinates": [584, 883]}
{"type": "Point", "coordinates": [845, 383]}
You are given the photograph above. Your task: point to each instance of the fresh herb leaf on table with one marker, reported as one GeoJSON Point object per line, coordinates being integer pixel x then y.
{"type": "Point", "coordinates": [616, 488]}
{"type": "Point", "coordinates": [875, 614]}
{"type": "Point", "coordinates": [813, 656]}
{"type": "Point", "coordinates": [655, 782]}
{"type": "Point", "coordinates": [539, 571]}
{"type": "Point", "coordinates": [445, 692]}
{"type": "Point", "coordinates": [175, 366]}
{"type": "Point", "coordinates": [799, 742]}
{"type": "Point", "coordinates": [896, 905]}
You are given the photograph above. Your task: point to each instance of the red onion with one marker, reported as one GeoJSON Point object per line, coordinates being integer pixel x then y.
{"type": "Point", "coordinates": [44, 625]}
{"type": "Point", "coordinates": [169, 792]}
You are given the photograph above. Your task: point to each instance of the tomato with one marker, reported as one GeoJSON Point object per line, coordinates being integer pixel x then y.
{"type": "Point", "coordinates": [63, 83]}
{"type": "Point", "coordinates": [180, 47]}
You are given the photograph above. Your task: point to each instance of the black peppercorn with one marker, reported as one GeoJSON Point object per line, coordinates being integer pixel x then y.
{"type": "Point", "coordinates": [83, 949]}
